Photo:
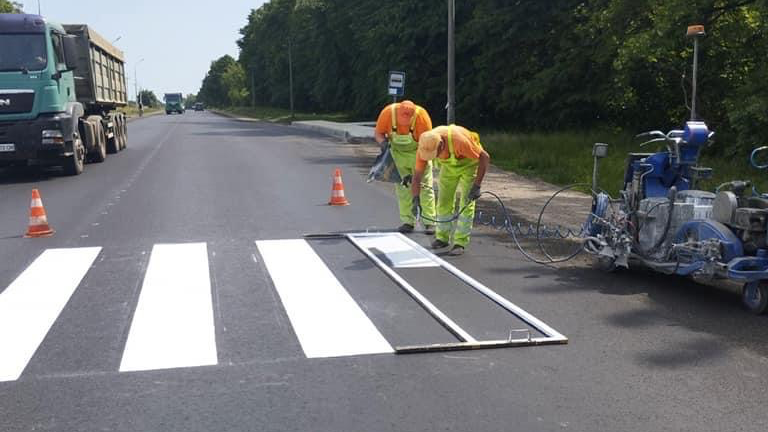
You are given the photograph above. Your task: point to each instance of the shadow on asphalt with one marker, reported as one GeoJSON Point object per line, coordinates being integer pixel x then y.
{"type": "Point", "coordinates": [26, 175]}
{"type": "Point", "coordinates": [715, 311]}
{"type": "Point", "coordinates": [350, 161]}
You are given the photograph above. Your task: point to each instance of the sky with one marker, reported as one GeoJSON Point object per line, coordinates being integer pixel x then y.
{"type": "Point", "coordinates": [178, 39]}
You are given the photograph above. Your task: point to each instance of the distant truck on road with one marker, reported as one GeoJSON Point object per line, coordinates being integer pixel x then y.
{"type": "Point", "coordinates": [60, 88]}
{"type": "Point", "coordinates": [174, 103]}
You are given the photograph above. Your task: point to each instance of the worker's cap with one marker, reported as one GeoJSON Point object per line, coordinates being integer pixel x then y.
{"type": "Point", "coordinates": [428, 143]}
{"type": "Point", "coordinates": [405, 111]}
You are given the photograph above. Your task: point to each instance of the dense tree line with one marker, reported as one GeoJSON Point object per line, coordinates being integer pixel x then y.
{"type": "Point", "coordinates": [521, 64]}
{"type": "Point", "coordinates": [7, 6]}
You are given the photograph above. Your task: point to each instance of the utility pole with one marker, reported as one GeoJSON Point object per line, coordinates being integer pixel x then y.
{"type": "Point", "coordinates": [290, 75]}
{"type": "Point", "coordinates": [136, 86]}
{"type": "Point", "coordinates": [451, 117]}
{"type": "Point", "coordinates": [253, 88]}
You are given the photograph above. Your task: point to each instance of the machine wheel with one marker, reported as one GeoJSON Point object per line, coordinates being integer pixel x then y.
{"type": "Point", "coordinates": [606, 264]}
{"type": "Point", "coordinates": [73, 165]}
{"type": "Point", "coordinates": [754, 295]}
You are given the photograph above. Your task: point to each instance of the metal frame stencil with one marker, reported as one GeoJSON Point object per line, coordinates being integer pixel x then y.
{"type": "Point", "coordinates": [466, 340]}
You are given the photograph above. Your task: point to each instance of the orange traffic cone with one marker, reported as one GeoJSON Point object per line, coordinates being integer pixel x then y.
{"type": "Point", "coordinates": [337, 193]}
{"type": "Point", "coordinates": [38, 221]}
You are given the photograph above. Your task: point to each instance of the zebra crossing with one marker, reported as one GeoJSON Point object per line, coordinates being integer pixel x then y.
{"type": "Point", "coordinates": [173, 321]}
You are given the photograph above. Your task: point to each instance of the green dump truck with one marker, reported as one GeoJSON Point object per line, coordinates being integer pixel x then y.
{"type": "Point", "coordinates": [60, 88]}
{"type": "Point", "coordinates": [174, 103]}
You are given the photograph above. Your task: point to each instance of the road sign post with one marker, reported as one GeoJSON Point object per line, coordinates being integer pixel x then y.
{"type": "Point", "coordinates": [396, 84]}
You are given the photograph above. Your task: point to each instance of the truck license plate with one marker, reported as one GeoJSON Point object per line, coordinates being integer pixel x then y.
{"type": "Point", "coordinates": [7, 147]}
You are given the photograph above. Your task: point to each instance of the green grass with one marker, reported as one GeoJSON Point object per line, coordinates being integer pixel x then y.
{"type": "Point", "coordinates": [132, 111]}
{"type": "Point", "coordinates": [280, 115]}
{"type": "Point", "coordinates": [566, 157]}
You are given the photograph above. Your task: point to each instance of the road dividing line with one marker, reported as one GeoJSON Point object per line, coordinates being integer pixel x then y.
{"type": "Point", "coordinates": [327, 321]}
{"type": "Point", "coordinates": [173, 323]}
{"type": "Point", "coordinates": [399, 253]}
{"type": "Point", "coordinates": [31, 304]}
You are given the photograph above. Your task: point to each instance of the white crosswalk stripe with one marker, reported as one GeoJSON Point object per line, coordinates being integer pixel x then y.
{"type": "Point", "coordinates": [327, 321]}
{"type": "Point", "coordinates": [30, 305]}
{"type": "Point", "coordinates": [173, 324]}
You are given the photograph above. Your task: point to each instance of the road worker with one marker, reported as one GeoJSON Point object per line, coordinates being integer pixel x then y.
{"type": "Point", "coordinates": [402, 124]}
{"type": "Point", "coordinates": [463, 164]}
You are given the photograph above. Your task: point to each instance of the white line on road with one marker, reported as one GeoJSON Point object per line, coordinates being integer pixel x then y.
{"type": "Point", "coordinates": [324, 316]}
{"type": "Point", "coordinates": [399, 253]}
{"type": "Point", "coordinates": [32, 303]}
{"type": "Point", "coordinates": [173, 325]}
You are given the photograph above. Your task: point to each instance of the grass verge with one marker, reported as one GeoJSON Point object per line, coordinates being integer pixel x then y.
{"type": "Point", "coordinates": [132, 111]}
{"type": "Point", "coordinates": [279, 115]}
{"type": "Point", "coordinates": [566, 157]}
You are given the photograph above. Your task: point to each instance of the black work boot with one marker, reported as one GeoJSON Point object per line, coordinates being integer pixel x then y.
{"type": "Point", "coordinates": [429, 229]}
{"type": "Point", "coordinates": [456, 251]}
{"type": "Point", "coordinates": [405, 228]}
{"type": "Point", "coordinates": [438, 244]}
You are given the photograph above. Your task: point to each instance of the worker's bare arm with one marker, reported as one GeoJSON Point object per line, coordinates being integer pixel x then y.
{"type": "Point", "coordinates": [485, 160]}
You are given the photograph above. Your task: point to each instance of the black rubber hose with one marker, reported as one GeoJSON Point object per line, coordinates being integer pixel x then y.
{"type": "Point", "coordinates": [508, 226]}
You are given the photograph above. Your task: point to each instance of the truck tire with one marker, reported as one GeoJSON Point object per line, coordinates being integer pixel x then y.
{"type": "Point", "coordinates": [119, 138]}
{"type": "Point", "coordinates": [113, 144]}
{"type": "Point", "coordinates": [124, 134]}
{"type": "Point", "coordinates": [74, 164]}
{"type": "Point", "coordinates": [100, 150]}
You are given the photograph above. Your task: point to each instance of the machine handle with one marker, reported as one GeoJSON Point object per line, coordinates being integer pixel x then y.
{"type": "Point", "coordinates": [753, 157]}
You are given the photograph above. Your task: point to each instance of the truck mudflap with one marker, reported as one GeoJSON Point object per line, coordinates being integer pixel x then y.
{"type": "Point", "coordinates": [21, 141]}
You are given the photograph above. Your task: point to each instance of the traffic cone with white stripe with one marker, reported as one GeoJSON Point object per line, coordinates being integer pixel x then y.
{"type": "Point", "coordinates": [337, 192]}
{"type": "Point", "coordinates": [38, 221]}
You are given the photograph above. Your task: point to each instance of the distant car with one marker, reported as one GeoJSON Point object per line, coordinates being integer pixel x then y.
{"type": "Point", "coordinates": [198, 106]}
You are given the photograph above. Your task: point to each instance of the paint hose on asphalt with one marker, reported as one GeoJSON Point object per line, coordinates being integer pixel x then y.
{"type": "Point", "coordinates": [514, 229]}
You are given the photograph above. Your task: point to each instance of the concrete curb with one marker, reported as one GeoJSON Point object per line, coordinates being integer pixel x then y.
{"type": "Point", "coordinates": [338, 133]}
{"type": "Point", "coordinates": [234, 117]}
{"type": "Point", "coordinates": [352, 133]}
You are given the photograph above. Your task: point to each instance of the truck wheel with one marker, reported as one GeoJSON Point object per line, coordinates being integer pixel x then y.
{"type": "Point", "coordinates": [100, 152]}
{"type": "Point", "coordinates": [754, 295]}
{"type": "Point", "coordinates": [120, 139]}
{"type": "Point", "coordinates": [73, 165]}
{"type": "Point", "coordinates": [123, 134]}
{"type": "Point", "coordinates": [113, 144]}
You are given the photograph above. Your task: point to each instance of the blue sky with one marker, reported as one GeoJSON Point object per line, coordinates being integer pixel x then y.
{"type": "Point", "coordinates": [177, 39]}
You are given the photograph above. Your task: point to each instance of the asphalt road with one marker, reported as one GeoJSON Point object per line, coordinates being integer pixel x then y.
{"type": "Point", "coordinates": [645, 352]}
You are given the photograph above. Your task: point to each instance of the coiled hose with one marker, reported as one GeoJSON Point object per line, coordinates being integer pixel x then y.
{"type": "Point", "coordinates": [513, 229]}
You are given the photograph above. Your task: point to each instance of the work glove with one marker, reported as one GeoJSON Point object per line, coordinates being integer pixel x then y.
{"type": "Point", "coordinates": [416, 206]}
{"type": "Point", "coordinates": [407, 180]}
{"type": "Point", "coordinates": [474, 193]}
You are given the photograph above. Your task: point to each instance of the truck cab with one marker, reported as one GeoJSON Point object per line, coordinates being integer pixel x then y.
{"type": "Point", "coordinates": [37, 91]}
{"type": "Point", "coordinates": [174, 103]}
{"type": "Point", "coordinates": [59, 87]}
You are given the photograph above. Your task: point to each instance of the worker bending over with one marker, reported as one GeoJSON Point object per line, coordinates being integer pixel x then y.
{"type": "Point", "coordinates": [463, 164]}
{"type": "Point", "coordinates": [403, 123]}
